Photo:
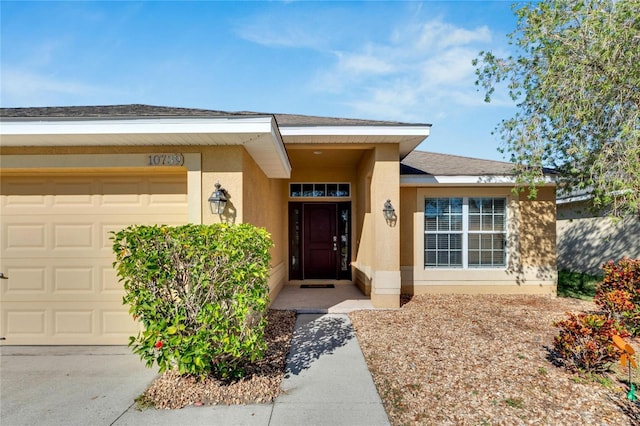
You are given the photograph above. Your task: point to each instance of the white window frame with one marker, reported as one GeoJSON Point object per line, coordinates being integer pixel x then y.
{"type": "Point", "coordinates": [465, 234]}
{"type": "Point", "coordinates": [291, 195]}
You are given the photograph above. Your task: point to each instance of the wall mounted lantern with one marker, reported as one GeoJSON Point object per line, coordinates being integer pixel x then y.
{"type": "Point", "coordinates": [218, 199]}
{"type": "Point", "coordinates": [389, 213]}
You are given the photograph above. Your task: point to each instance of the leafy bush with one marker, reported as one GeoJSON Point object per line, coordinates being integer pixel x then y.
{"type": "Point", "coordinates": [618, 294]}
{"type": "Point", "coordinates": [585, 341]}
{"type": "Point", "coordinates": [201, 293]}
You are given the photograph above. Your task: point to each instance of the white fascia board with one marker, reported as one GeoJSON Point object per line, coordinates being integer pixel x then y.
{"type": "Point", "coordinates": [418, 180]}
{"type": "Point", "coordinates": [137, 126]}
{"type": "Point", "coordinates": [269, 154]}
{"type": "Point", "coordinates": [281, 152]}
{"type": "Point", "coordinates": [355, 131]}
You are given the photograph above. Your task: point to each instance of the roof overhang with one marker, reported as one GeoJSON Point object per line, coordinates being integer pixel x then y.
{"type": "Point", "coordinates": [487, 180]}
{"type": "Point", "coordinates": [259, 135]}
{"type": "Point", "coordinates": [407, 136]}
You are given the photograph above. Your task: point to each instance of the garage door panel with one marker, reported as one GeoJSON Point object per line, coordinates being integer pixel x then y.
{"type": "Point", "coordinates": [27, 278]}
{"type": "Point", "coordinates": [67, 324]}
{"type": "Point", "coordinates": [60, 279]}
{"type": "Point", "coordinates": [74, 280]}
{"type": "Point", "coordinates": [24, 321]}
{"type": "Point", "coordinates": [73, 194]}
{"type": "Point", "coordinates": [73, 322]}
{"type": "Point", "coordinates": [23, 194]}
{"type": "Point", "coordinates": [25, 236]}
{"type": "Point", "coordinates": [56, 245]}
{"type": "Point", "coordinates": [37, 236]}
{"type": "Point", "coordinates": [79, 236]}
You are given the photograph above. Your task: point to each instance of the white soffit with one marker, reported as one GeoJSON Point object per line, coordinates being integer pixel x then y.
{"type": "Point", "coordinates": [488, 180]}
{"type": "Point", "coordinates": [259, 135]}
{"type": "Point", "coordinates": [408, 137]}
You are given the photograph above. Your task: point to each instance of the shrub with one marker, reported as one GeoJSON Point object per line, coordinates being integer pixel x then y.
{"type": "Point", "coordinates": [585, 341]}
{"type": "Point", "coordinates": [200, 292]}
{"type": "Point", "coordinates": [618, 294]}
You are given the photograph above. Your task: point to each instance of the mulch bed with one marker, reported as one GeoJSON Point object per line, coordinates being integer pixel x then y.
{"type": "Point", "coordinates": [443, 360]}
{"type": "Point", "coordinates": [483, 360]}
{"type": "Point", "coordinates": [261, 383]}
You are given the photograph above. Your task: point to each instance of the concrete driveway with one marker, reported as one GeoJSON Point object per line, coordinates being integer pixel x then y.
{"type": "Point", "coordinates": [327, 383]}
{"type": "Point", "coordinates": [69, 385]}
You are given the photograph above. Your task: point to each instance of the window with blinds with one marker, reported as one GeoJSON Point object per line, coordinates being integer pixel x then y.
{"type": "Point", "coordinates": [465, 232]}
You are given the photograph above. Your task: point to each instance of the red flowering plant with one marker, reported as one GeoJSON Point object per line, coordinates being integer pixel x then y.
{"type": "Point", "coordinates": [200, 292]}
{"type": "Point", "coordinates": [585, 342]}
{"type": "Point", "coordinates": [618, 294]}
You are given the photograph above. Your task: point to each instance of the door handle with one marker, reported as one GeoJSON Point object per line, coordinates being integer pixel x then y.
{"type": "Point", "coordinates": [335, 247]}
{"type": "Point", "coordinates": [3, 276]}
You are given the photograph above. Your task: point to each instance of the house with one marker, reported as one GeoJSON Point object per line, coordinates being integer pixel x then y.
{"type": "Point", "coordinates": [319, 185]}
{"type": "Point", "coordinates": [586, 238]}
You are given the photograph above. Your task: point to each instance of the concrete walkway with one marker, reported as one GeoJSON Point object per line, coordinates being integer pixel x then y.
{"type": "Point", "coordinates": [327, 383]}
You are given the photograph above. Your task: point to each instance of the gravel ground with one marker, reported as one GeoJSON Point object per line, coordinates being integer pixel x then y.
{"type": "Point", "coordinates": [483, 360]}
{"type": "Point", "coordinates": [260, 385]}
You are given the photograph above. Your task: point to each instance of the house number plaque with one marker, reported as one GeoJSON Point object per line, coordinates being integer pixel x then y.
{"type": "Point", "coordinates": [165, 159]}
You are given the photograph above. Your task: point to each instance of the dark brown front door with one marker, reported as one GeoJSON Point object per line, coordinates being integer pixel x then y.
{"type": "Point", "coordinates": [320, 242]}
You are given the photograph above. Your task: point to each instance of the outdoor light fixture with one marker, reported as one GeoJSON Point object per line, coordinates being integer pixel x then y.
{"type": "Point", "coordinates": [218, 200]}
{"type": "Point", "coordinates": [389, 212]}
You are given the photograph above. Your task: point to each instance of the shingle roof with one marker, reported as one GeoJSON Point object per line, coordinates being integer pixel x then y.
{"type": "Point", "coordinates": [431, 163]}
{"type": "Point", "coordinates": [434, 164]}
{"type": "Point", "coordinates": [138, 110]}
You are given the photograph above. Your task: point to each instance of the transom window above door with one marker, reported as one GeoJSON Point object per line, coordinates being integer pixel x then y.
{"type": "Point", "coordinates": [465, 232]}
{"type": "Point", "coordinates": [324, 189]}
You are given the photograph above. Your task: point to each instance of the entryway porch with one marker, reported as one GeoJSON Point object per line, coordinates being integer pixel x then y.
{"type": "Point", "coordinates": [318, 297]}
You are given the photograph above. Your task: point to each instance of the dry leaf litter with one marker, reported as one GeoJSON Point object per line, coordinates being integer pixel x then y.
{"type": "Point", "coordinates": [483, 360]}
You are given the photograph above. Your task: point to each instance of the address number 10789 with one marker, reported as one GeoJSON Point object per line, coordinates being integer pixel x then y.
{"type": "Point", "coordinates": [165, 160]}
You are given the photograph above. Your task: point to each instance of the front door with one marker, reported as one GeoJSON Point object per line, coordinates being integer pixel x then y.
{"type": "Point", "coordinates": [319, 241]}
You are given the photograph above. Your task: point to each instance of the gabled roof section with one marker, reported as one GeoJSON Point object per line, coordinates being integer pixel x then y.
{"type": "Point", "coordinates": [293, 129]}
{"type": "Point", "coordinates": [139, 110]}
{"type": "Point", "coordinates": [422, 167]}
{"type": "Point", "coordinates": [431, 163]}
{"type": "Point", "coordinates": [139, 125]}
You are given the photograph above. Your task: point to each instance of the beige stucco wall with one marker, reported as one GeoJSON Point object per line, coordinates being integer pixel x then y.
{"type": "Point", "coordinates": [363, 243]}
{"type": "Point", "coordinates": [531, 266]}
{"type": "Point", "coordinates": [264, 205]}
{"type": "Point", "coordinates": [378, 250]}
{"type": "Point", "coordinates": [249, 190]}
{"type": "Point", "coordinates": [408, 205]}
{"type": "Point", "coordinates": [586, 240]}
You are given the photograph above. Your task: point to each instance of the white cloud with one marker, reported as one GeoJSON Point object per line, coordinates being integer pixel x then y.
{"type": "Point", "coordinates": [364, 63]}
{"type": "Point", "coordinates": [438, 35]}
{"type": "Point", "coordinates": [271, 31]}
{"type": "Point", "coordinates": [420, 66]}
{"type": "Point", "coordinates": [291, 37]}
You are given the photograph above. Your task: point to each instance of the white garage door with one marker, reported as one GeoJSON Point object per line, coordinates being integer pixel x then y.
{"type": "Point", "coordinates": [56, 252]}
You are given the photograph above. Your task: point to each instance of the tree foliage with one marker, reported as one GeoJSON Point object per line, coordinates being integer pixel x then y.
{"type": "Point", "coordinates": [576, 81]}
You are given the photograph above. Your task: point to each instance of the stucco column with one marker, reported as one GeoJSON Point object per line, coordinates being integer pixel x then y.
{"type": "Point", "coordinates": [385, 185]}
{"type": "Point", "coordinates": [223, 164]}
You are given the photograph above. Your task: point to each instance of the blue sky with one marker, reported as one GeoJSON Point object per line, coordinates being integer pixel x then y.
{"type": "Point", "coordinates": [404, 61]}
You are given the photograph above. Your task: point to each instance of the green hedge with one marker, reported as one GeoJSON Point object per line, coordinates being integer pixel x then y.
{"type": "Point", "coordinates": [201, 293]}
